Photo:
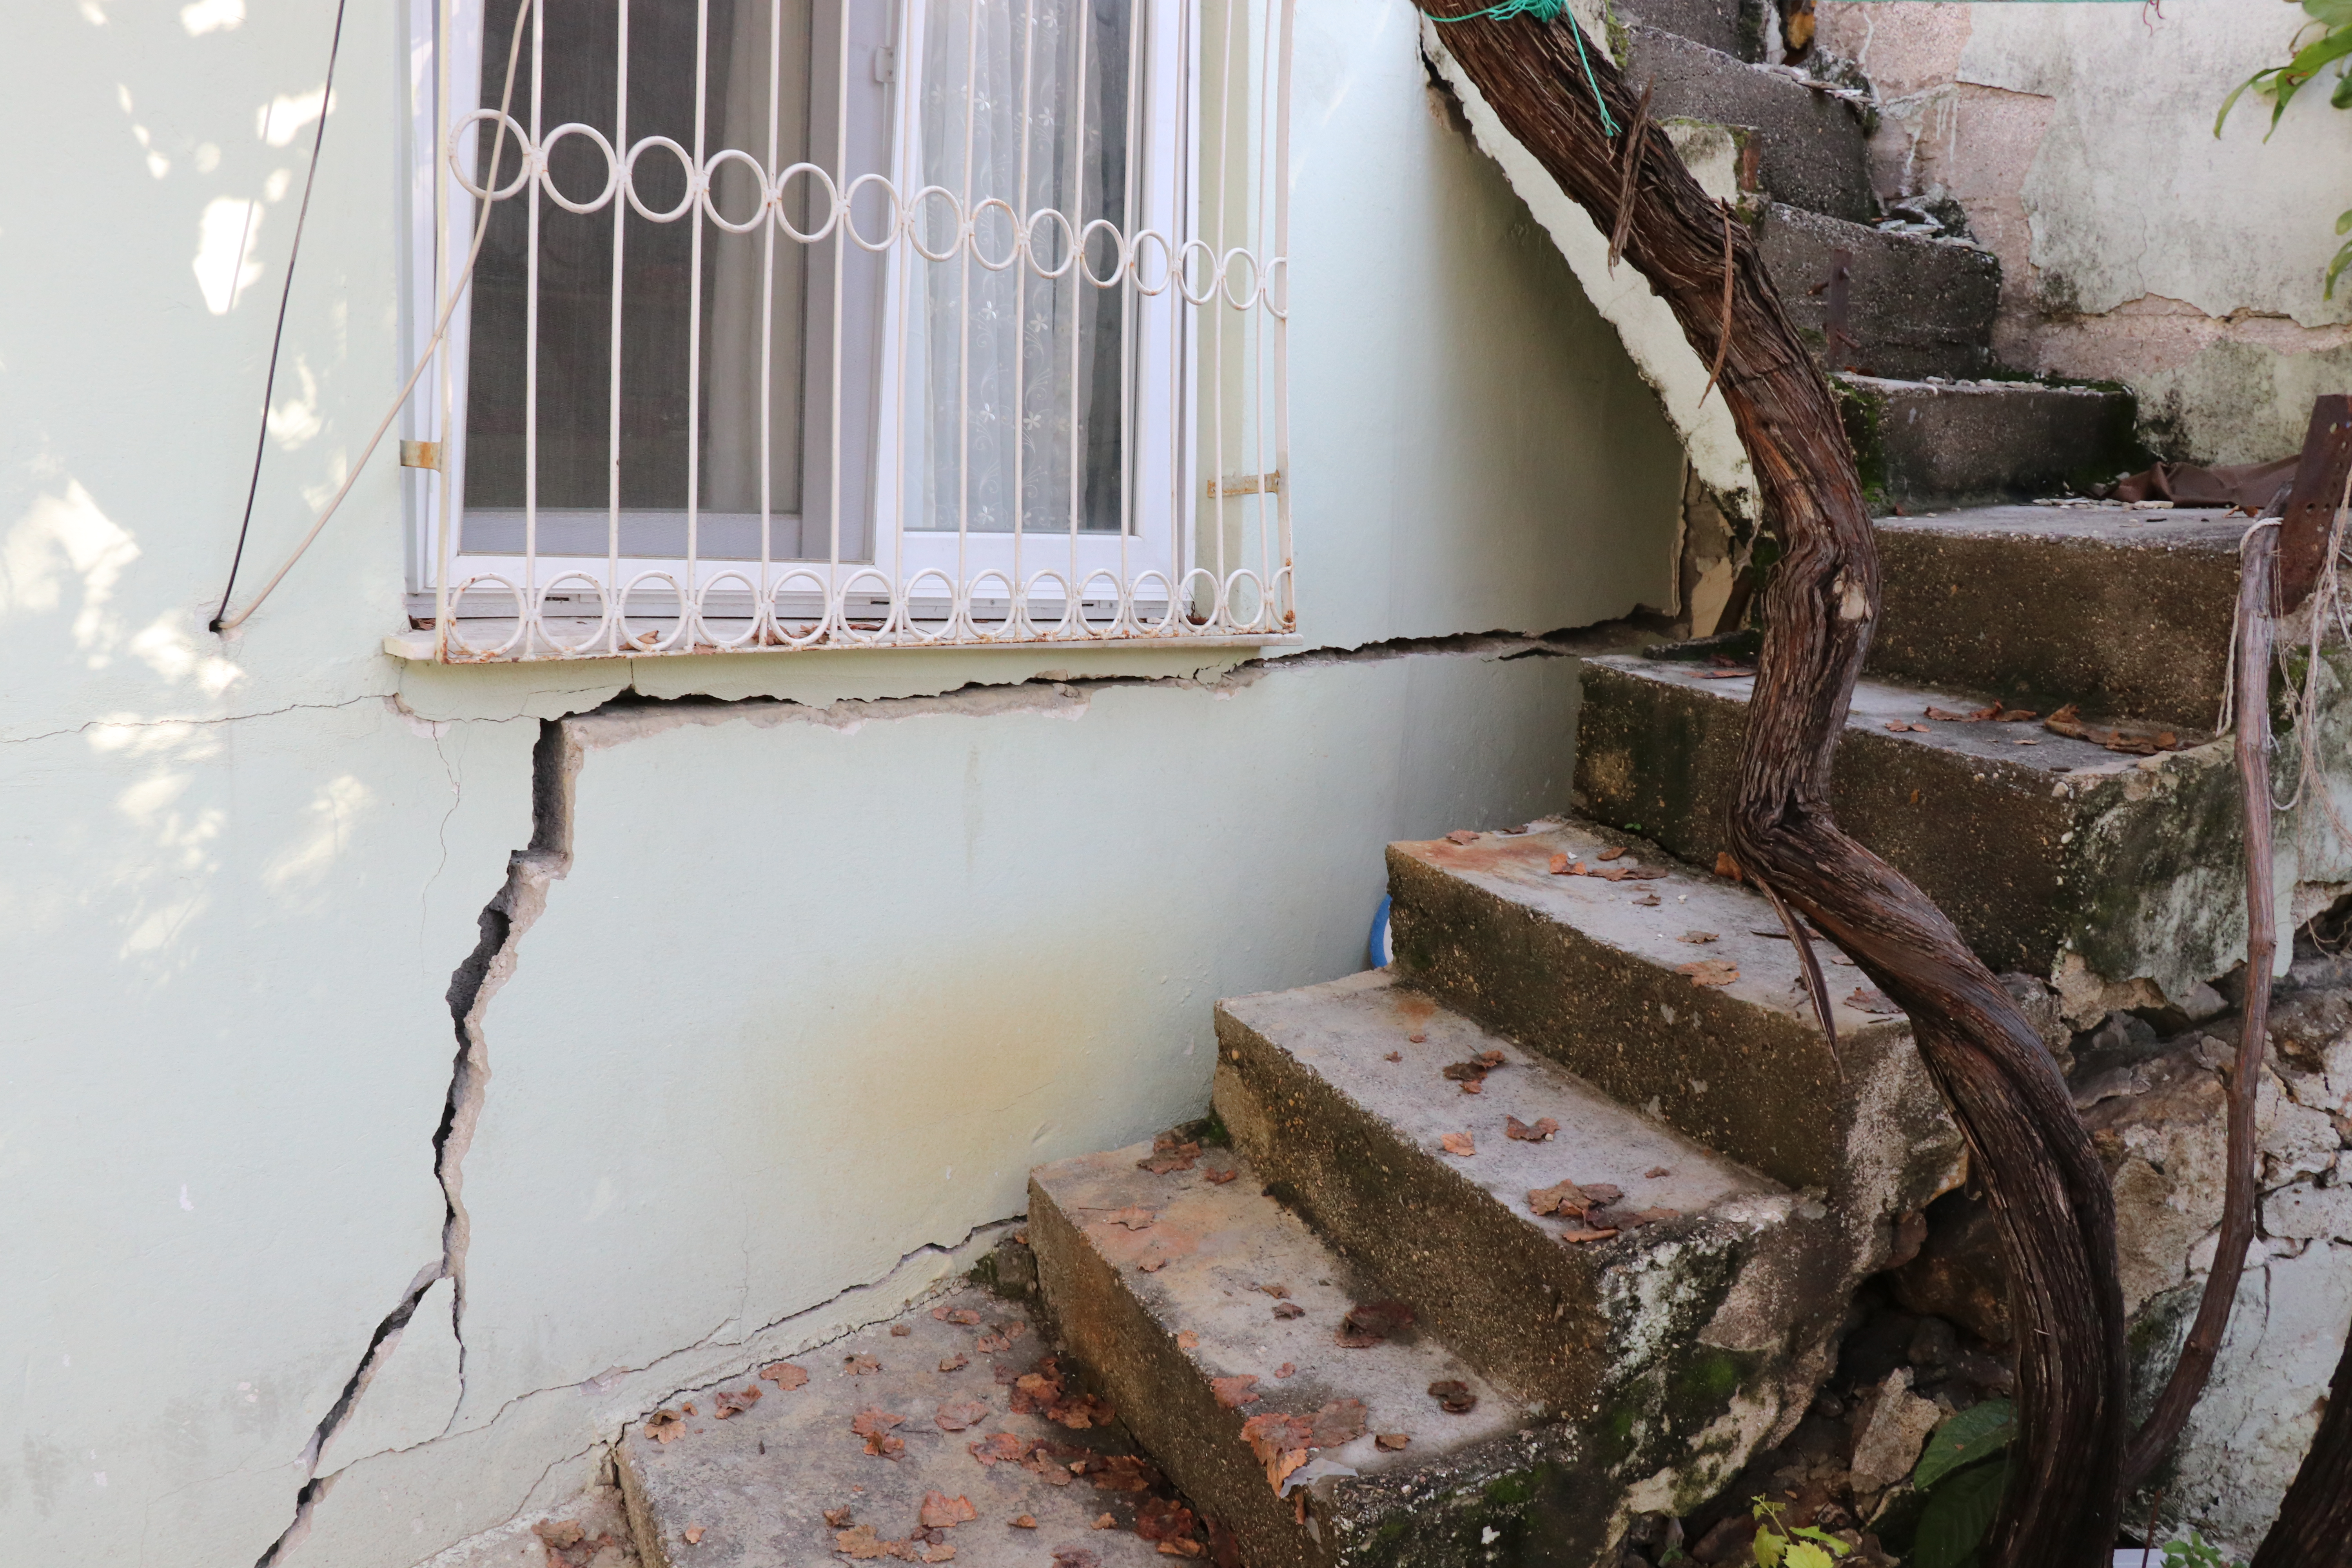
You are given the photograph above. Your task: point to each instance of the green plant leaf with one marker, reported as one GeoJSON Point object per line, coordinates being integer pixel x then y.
{"type": "Point", "coordinates": [2335, 268]}
{"type": "Point", "coordinates": [1974, 1433]}
{"type": "Point", "coordinates": [1769, 1549]}
{"type": "Point", "coordinates": [1959, 1514]}
{"type": "Point", "coordinates": [1805, 1554]}
{"type": "Point", "coordinates": [2332, 13]}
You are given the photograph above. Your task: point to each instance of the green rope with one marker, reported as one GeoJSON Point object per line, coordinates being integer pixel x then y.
{"type": "Point", "coordinates": [1542, 11]}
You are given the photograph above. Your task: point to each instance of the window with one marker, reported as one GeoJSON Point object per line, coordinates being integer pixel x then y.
{"type": "Point", "coordinates": [802, 322]}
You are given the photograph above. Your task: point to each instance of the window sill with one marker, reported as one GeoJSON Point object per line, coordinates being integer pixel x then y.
{"type": "Point", "coordinates": [417, 647]}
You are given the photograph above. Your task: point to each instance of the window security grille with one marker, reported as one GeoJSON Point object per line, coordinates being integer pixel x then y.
{"type": "Point", "coordinates": [852, 323]}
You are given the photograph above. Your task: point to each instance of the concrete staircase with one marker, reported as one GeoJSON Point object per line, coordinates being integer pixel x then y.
{"type": "Point", "coordinates": [1934, 420]}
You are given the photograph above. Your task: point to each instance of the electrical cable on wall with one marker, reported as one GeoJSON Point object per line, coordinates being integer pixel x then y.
{"type": "Point", "coordinates": [222, 620]}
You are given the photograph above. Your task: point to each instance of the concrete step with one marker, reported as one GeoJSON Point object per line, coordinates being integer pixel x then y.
{"type": "Point", "coordinates": [1159, 1284]}
{"type": "Point", "coordinates": [1590, 974]}
{"type": "Point", "coordinates": [1353, 1141]}
{"type": "Point", "coordinates": [1915, 306]}
{"type": "Point", "coordinates": [1812, 146]}
{"type": "Point", "coordinates": [752, 1490]}
{"type": "Point", "coordinates": [2059, 859]}
{"type": "Point", "coordinates": [2126, 611]}
{"type": "Point", "coordinates": [1946, 443]}
{"type": "Point", "coordinates": [1733, 27]}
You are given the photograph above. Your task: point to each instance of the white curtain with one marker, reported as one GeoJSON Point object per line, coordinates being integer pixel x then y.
{"type": "Point", "coordinates": [1025, 101]}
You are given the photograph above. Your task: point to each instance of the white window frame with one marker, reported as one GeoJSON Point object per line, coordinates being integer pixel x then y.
{"type": "Point", "coordinates": [1164, 573]}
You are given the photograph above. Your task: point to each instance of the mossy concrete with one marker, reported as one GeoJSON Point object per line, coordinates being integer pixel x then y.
{"type": "Point", "coordinates": [2054, 855]}
{"type": "Point", "coordinates": [1929, 442]}
{"type": "Point", "coordinates": [1915, 306]}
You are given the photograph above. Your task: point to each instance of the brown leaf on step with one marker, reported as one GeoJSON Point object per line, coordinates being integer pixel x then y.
{"type": "Point", "coordinates": [1454, 1397]}
{"type": "Point", "coordinates": [1709, 970]}
{"type": "Point", "coordinates": [1023, 1521]}
{"type": "Point", "coordinates": [1132, 1217]}
{"type": "Point", "coordinates": [1285, 1370]}
{"type": "Point", "coordinates": [839, 1517]}
{"type": "Point", "coordinates": [1945, 716]}
{"type": "Point", "coordinates": [869, 1421]}
{"type": "Point", "coordinates": [1648, 901]}
{"type": "Point", "coordinates": [999, 1338]}
{"type": "Point", "coordinates": [730, 1404]}
{"type": "Point", "coordinates": [1393, 1442]}
{"type": "Point", "coordinates": [955, 1362]}
{"type": "Point", "coordinates": [1367, 1324]}
{"type": "Point", "coordinates": [1697, 938]}
{"type": "Point", "coordinates": [1725, 866]}
{"type": "Point", "coordinates": [883, 1446]}
{"type": "Point", "coordinates": [1561, 1198]}
{"type": "Point", "coordinates": [1235, 1392]}
{"type": "Point", "coordinates": [1339, 1422]}
{"type": "Point", "coordinates": [1579, 1237]}
{"type": "Point", "coordinates": [1165, 1520]}
{"type": "Point", "coordinates": [664, 1426]}
{"type": "Point", "coordinates": [1081, 1412]}
{"type": "Point", "coordinates": [1602, 1191]}
{"type": "Point", "coordinates": [1280, 1443]}
{"type": "Point", "coordinates": [1461, 835]}
{"type": "Point", "coordinates": [1542, 1128]}
{"type": "Point", "coordinates": [1170, 1153]}
{"type": "Point", "coordinates": [1076, 1557]}
{"type": "Point", "coordinates": [1560, 864]}
{"type": "Point", "coordinates": [1123, 1473]}
{"type": "Point", "coordinates": [941, 1511]}
{"type": "Point", "coordinates": [689, 1410]}
{"type": "Point", "coordinates": [942, 1553]}
{"type": "Point", "coordinates": [1460, 1143]}
{"type": "Point", "coordinates": [1394, 1057]}
{"type": "Point", "coordinates": [964, 1317]}
{"type": "Point", "coordinates": [1614, 851]}
{"type": "Point", "coordinates": [1187, 1340]}
{"type": "Point", "coordinates": [1871, 999]}
{"type": "Point", "coordinates": [1416, 1039]}
{"type": "Point", "coordinates": [1219, 1178]}
{"type": "Point", "coordinates": [999, 1448]}
{"type": "Point", "coordinates": [861, 1544]}
{"type": "Point", "coordinates": [785, 1375]}
{"type": "Point", "coordinates": [899, 1331]}
{"type": "Point", "coordinates": [961, 1414]}
{"type": "Point", "coordinates": [1288, 1309]}
{"type": "Point", "coordinates": [1153, 1261]}
{"type": "Point", "coordinates": [1105, 1522]}
{"type": "Point", "coordinates": [1280, 1292]}
{"type": "Point", "coordinates": [859, 1365]}
{"type": "Point", "coordinates": [1655, 1172]}
{"type": "Point", "coordinates": [559, 1535]}
{"type": "Point", "coordinates": [693, 1533]}
{"type": "Point", "coordinates": [1899, 726]}
{"type": "Point", "coordinates": [1182, 1546]}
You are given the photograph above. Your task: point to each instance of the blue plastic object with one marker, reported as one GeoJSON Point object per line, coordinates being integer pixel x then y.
{"type": "Point", "coordinates": [1379, 949]}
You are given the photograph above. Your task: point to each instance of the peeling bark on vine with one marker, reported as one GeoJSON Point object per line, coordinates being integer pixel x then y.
{"type": "Point", "coordinates": [2032, 1155]}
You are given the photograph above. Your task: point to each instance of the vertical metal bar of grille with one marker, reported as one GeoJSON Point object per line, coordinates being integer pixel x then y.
{"type": "Point", "coordinates": [1176, 430]}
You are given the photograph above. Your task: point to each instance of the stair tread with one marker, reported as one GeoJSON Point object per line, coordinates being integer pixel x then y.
{"type": "Point", "coordinates": [1517, 867]}
{"type": "Point", "coordinates": [2206, 529]}
{"type": "Point", "coordinates": [1878, 704]}
{"type": "Point", "coordinates": [1220, 1243]}
{"type": "Point", "coordinates": [759, 1483]}
{"type": "Point", "coordinates": [1344, 1029]}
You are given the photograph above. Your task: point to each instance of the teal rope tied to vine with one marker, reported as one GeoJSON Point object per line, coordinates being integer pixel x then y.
{"type": "Point", "coordinates": [1542, 11]}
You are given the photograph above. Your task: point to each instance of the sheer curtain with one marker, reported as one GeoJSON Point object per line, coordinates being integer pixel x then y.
{"type": "Point", "coordinates": [1015, 378]}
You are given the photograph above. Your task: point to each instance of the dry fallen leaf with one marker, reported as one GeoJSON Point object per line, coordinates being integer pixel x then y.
{"type": "Point", "coordinates": [1076, 1557]}
{"type": "Point", "coordinates": [1725, 866]}
{"type": "Point", "coordinates": [961, 1414]}
{"type": "Point", "coordinates": [1166, 1521]}
{"type": "Point", "coordinates": [1541, 1129]}
{"type": "Point", "coordinates": [940, 1511]}
{"type": "Point", "coordinates": [1709, 970]}
{"type": "Point", "coordinates": [664, 1426]}
{"type": "Point", "coordinates": [693, 1533]}
{"type": "Point", "coordinates": [1338, 1423]}
{"type": "Point", "coordinates": [1394, 1057]}
{"type": "Point", "coordinates": [1285, 1370]}
{"type": "Point", "coordinates": [1182, 1546]}
{"type": "Point", "coordinates": [1655, 1172]}
{"type": "Point", "coordinates": [1458, 1143]}
{"type": "Point", "coordinates": [1187, 1340]}
{"type": "Point", "coordinates": [1153, 1262]}
{"type": "Point", "coordinates": [730, 1404]}
{"type": "Point", "coordinates": [1871, 999]}
{"type": "Point", "coordinates": [1367, 1324]}
{"type": "Point", "coordinates": [785, 1376]}
{"type": "Point", "coordinates": [1219, 1178]}
{"type": "Point", "coordinates": [1288, 1309]}
{"type": "Point", "coordinates": [839, 1517]}
{"type": "Point", "coordinates": [859, 1365]}
{"type": "Point", "coordinates": [1132, 1217]}
{"type": "Point", "coordinates": [1648, 901]}
{"type": "Point", "coordinates": [1105, 1522]}
{"type": "Point", "coordinates": [942, 1553]}
{"type": "Point", "coordinates": [1698, 937]}
{"type": "Point", "coordinates": [1235, 1392]}
{"type": "Point", "coordinates": [1562, 1197]}
{"type": "Point", "coordinates": [1945, 716]}
{"type": "Point", "coordinates": [1454, 1397]}
{"type": "Point", "coordinates": [964, 1317]}
{"type": "Point", "coordinates": [1560, 864]}
{"type": "Point", "coordinates": [999, 1448]}
{"type": "Point", "coordinates": [1417, 1039]}
{"type": "Point", "coordinates": [1280, 1443]}
{"type": "Point", "coordinates": [1393, 1442]}
{"type": "Point", "coordinates": [899, 1331]}
{"type": "Point", "coordinates": [1461, 835]}
{"type": "Point", "coordinates": [1023, 1521]}
{"type": "Point", "coordinates": [1579, 1237]}
{"type": "Point", "coordinates": [561, 1534]}
{"type": "Point", "coordinates": [1170, 1153]}
{"type": "Point", "coordinates": [861, 1544]}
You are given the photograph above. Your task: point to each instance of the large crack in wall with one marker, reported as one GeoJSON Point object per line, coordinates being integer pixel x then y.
{"type": "Point", "coordinates": [556, 761]}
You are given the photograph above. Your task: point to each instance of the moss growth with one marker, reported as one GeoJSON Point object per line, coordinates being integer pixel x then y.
{"type": "Point", "coordinates": [1510, 1490]}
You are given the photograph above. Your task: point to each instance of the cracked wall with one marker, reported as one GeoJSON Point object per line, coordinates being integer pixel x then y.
{"type": "Point", "coordinates": [2135, 245]}
{"type": "Point", "coordinates": [357, 1222]}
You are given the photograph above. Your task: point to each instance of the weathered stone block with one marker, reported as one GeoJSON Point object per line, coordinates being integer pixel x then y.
{"type": "Point", "coordinates": [2051, 857]}
{"type": "Point", "coordinates": [1814, 147]}
{"type": "Point", "coordinates": [1735, 28]}
{"type": "Point", "coordinates": [2126, 612]}
{"type": "Point", "coordinates": [1915, 306]}
{"type": "Point", "coordinates": [1947, 443]}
